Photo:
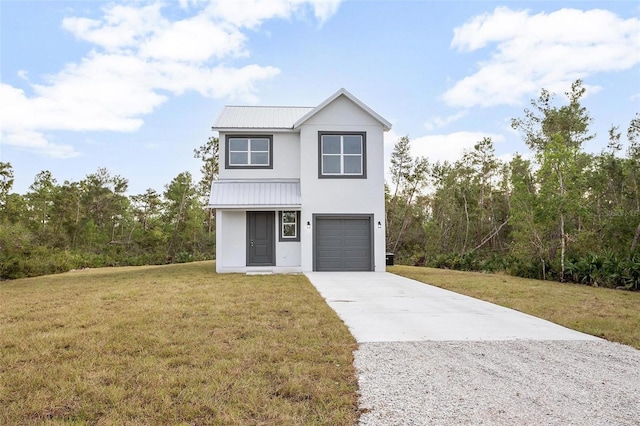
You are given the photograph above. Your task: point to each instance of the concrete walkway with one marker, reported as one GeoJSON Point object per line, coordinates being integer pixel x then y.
{"type": "Point", "coordinates": [383, 307]}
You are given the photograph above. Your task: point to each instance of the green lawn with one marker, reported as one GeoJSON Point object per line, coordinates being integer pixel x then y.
{"type": "Point", "coordinates": [611, 314]}
{"type": "Point", "coordinates": [175, 344]}
{"type": "Point", "coordinates": [179, 344]}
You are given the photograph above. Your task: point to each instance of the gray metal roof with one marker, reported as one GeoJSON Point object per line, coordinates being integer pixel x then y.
{"type": "Point", "coordinates": [259, 117]}
{"type": "Point", "coordinates": [251, 194]}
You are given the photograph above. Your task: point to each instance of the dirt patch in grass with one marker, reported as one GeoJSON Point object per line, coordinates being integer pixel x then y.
{"type": "Point", "coordinates": [610, 314]}
{"type": "Point", "coordinates": [175, 344]}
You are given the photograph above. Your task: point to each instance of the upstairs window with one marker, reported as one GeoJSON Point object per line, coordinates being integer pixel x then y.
{"type": "Point", "coordinates": [249, 152]}
{"type": "Point", "coordinates": [342, 155]}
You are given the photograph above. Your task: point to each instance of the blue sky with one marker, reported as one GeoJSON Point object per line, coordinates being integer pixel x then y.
{"type": "Point", "coordinates": [135, 86]}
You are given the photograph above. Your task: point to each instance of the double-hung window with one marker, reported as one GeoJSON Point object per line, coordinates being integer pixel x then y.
{"type": "Point", "coordinates": [249, 152]}
{"type": "Point", "coordinates": [289, 226]}
{"type": "Point", "coordinates": [342, 155]}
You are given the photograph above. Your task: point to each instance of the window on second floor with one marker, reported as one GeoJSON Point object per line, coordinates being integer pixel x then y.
{"type": "Point", "coordinates": [342, 155]}
{"type": "Point", "coordinates": [249, 152]}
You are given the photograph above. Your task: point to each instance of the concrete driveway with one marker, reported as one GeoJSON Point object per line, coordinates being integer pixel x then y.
{"type": "Point", "coordinates": [383, 307]}
{"type": "Point", "coordinates": [427, 356]}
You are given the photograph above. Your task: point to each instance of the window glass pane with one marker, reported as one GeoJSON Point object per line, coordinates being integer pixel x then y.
{"type": "Point", "coordinates": [289, 231]}
{"type": "Point", "coordinates": [330, 164]}
{"type": "Point", "coordinates": [352, 164]}
{"type": "Point", "coordinates": [260, 158]}
{"type": "Point", "coordinates": [289, 217]}
{"type": "Point", "coordinates": [236, 158]}
{"type": "Point", "coordinates": [238, 145]}
{"type": "Point", "coordinates": [259, 144]}
{"type": "Point", "coordinates": [330, 144]}
{"type": "Point", "coordinates": [353, 144]}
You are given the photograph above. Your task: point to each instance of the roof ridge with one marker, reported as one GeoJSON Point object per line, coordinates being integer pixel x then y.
{"type": "Point", "coordinates": [266, 106]}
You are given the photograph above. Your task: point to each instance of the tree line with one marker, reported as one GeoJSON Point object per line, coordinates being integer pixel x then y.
{"type": "Point", "coordinates": [56, 227]}
{"type": "Point", "coordinates": [556, 212]}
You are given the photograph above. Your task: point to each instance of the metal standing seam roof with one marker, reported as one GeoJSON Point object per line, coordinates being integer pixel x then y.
{"type": "Point", "coordinates": [259, 117]}
{"type": "Point", "coordinates": [249, 194]}
{"type": "Point", "coordinates": [283, 117]}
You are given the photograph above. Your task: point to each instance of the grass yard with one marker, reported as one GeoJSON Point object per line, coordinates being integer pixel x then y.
{"type": "Point", "coordinates": [611, 314]}
{"type": "Point", "coordinates": [174, 344]}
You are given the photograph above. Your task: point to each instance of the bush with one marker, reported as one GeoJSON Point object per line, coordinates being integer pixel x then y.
{"type": "Point", "coordinates": [183, 257]}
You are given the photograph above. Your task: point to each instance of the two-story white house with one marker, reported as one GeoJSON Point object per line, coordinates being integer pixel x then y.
{"type": "Point", "coordinates": [300, 188]}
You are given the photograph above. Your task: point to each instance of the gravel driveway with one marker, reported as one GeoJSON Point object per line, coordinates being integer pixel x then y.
{"type": "Point", "coordinates": [499, 383]}
{"type": "Point", "coordinates": [428, 356]}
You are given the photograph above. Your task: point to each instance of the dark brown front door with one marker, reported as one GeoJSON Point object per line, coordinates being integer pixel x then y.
{"type": "Point", "coordinates": [261, 238]}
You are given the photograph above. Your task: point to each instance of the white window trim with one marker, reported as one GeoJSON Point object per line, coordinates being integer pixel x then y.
{"type": "Point", "coordinates": [296, 224]}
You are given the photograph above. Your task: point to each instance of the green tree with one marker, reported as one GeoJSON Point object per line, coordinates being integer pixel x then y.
{"type": "Point", "coordinates": [633, 175]}
{"type": "Point", "coordinates": [40, 199]}
{"type": "Point", "coordinates": [409, 176]}
{"type": "Point", "coordinates": [6, 182]}
{"type": "Point", "coordinates": [184, 217]}
{"type": "Point", "coordinates": [477, 179]}
{"type": "Point", "coordinates": [209, 154]}
{"type": "Point", "coordinates": [67, 213]}
{"type": "Point", "coordinates": [147, 207]}
{"type": "Point", "coordinates": [556, 135]}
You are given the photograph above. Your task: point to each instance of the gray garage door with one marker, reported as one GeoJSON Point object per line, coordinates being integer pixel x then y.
{"type": "Point", "coordinates": [343, 243]}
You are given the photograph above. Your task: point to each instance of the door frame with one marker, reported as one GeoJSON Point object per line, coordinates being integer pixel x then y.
{"type": "Point", "coordinates": [372, 245]}
{"type": "Point", "coordinates": [271, 225]}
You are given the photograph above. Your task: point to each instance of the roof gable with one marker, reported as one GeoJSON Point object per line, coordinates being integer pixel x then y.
{"type": "Point", "coordinates": [343, 92]}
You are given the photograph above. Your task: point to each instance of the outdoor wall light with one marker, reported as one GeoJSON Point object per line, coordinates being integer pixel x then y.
{"type": "Point", "coordinates": [379, 225]}
{"type": "Point", "coordinates": [308, 225]}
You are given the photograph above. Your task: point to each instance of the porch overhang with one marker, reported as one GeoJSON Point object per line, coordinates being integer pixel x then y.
{"type": "Point", "coordinates": [254, 194]}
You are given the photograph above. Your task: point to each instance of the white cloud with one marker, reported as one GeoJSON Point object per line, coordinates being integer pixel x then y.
{"type": "Point", "coordinates": [448, 147]}
{"type": "Point", "coordinates": [543, 50]}
{"type": "Point", "coordinates": [251, 13]}
{"type": "Point", "coordinates": [437, 122]}
{"type": "Point", "coordinates": [325, 9]}
{"type": "Point", "coordinates": [176, 42]}
{"type": "Point", "coordinates": [36, 142]}
{"type": "Point", "coordinates": [120, 27]}
{"type": "Point", "coordinates": [140, 59]}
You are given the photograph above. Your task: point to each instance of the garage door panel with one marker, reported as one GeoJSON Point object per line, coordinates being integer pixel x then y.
{"type": "Point", "coordinates": [343, 244]}
{"type": "Point", "coordinates": [328, 255]}
{"type": "Point", "coordinates": [332, 230]}
{"type": "Point", "coordinates": [354, 241]}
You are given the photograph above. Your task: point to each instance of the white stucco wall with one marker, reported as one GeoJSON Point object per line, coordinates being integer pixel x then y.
{"type": "Point", "coordinates": [231, 237]}
{"type": "Point", "coordinates": [231, 249]}
{"type": "Point", "coordinates": [287, 253]}
{"type": "Point", "coordinates": [286, 155]}
{"type": "Point", "coordinates": [364, 196]}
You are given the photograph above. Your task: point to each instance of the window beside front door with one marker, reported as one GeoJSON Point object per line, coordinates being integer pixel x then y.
{"type": "Point", "coordinates": [342, 155]}
{"type": "Point", "coordinates": [249, 152]}
{"type": "Point", "coordinates": [289, 226]}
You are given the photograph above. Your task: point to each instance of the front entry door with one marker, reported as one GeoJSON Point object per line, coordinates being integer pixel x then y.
{"type": "Point", "coordinates": [261, 238]}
